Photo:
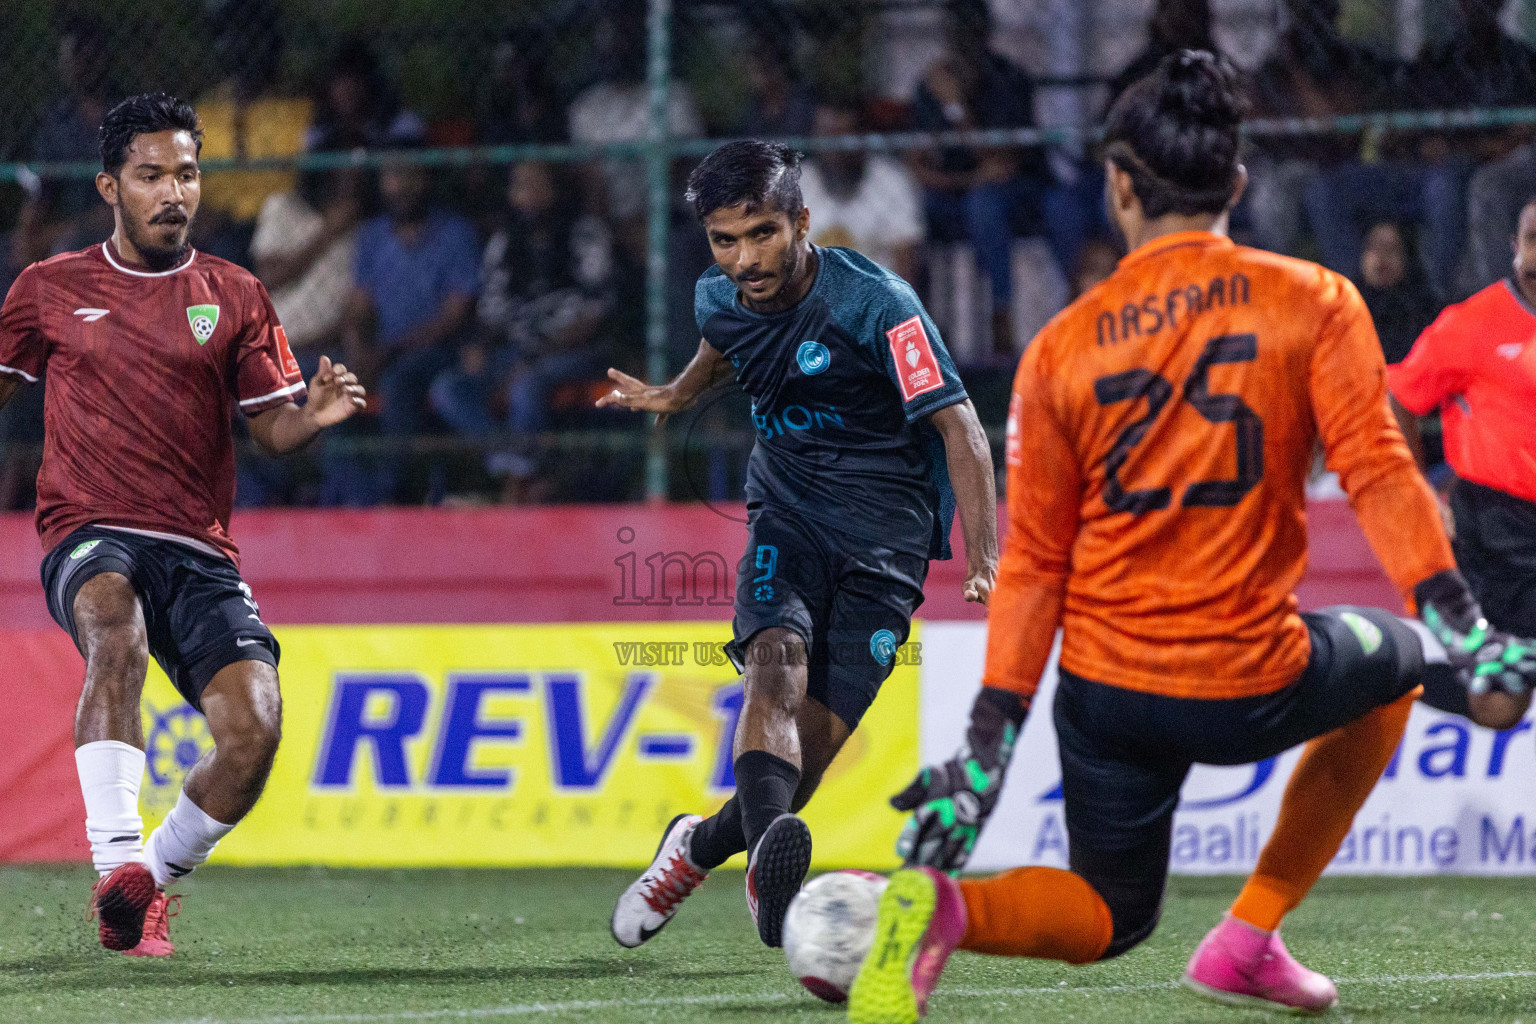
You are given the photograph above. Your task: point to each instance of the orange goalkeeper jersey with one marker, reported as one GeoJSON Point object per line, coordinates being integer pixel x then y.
{"type": "Point", "coordinates": [1159, 438]}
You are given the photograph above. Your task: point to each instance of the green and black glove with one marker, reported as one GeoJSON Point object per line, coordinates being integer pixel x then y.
{"type": "Point", "coordinates": [1484, 658]}
{"type": "Point", "coordinates": [951, 802]}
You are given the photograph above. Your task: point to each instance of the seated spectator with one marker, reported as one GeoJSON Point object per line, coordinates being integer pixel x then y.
{"type": "Point", "coordinates": [545, 292]}
{"type": "Point", "coordinates": [414, 286]}
{"type": "Point", "coordinates": [1176, 25]}
{"type": "Point", "coordinates": [519, 104]}
{"type": "Point", "coordinates": [1391, 282]}
{"type": "Point", "coordinates": [245, 118]}
{"type": "Point", "coordinates": [1313, 71]}
{"type": "Point", "coordinates": [778, 105]}
{"type": "Point", "coordinates": [1481, 66]}
{"type": "Point", "coordinates": [980, 194]}
{"type": "Point", "coordinates": [68, 132]}
{"type": "Point", "coordinates": [355, 106]}
{"type": "Point", "coordinates": [304, 251]}
{"type": "Point", "coordinates": [617, 109]}
{"type": "Point", "coordinates": [860, 200]}
{"type": "Point", "coordinates": [1427, 184]}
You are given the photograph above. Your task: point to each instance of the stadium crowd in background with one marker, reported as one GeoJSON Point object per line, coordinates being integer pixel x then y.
{"type": "Point", "coordinates": [478, 318]}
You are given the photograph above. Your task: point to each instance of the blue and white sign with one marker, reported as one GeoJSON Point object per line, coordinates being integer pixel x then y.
{"type": "Point", "coordinates": [1456, 799]}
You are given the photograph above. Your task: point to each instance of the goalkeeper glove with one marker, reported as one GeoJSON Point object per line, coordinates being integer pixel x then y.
{"type": "Point", "coordinates": [1485, 659]}
{"type": "Point", "coordinates": [951, 802]}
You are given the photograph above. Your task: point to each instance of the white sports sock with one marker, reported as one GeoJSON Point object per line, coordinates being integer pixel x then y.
{"type": "Point", "coordinates": [184, 840]}
{"type": "Point", "coordinates": [110, 774]}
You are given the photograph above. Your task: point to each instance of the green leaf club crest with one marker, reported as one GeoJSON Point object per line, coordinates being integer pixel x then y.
{"type": "Point", "coordinates": [203, 320]}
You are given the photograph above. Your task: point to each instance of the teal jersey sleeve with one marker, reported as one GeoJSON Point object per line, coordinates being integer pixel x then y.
{"type": "Point", "coordinates": [882, 310]}
{"type": "Point", "coordinates": [713, 292]}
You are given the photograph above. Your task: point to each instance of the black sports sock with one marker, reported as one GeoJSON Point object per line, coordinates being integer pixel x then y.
{"type": "Point", "coordinates": [765, 785]}
{"type": "Point", "coordinates": [718, 837]}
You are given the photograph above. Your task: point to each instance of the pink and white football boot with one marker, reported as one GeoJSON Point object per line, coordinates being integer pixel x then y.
{"type": "Point", "coordinates": [1242, 965]}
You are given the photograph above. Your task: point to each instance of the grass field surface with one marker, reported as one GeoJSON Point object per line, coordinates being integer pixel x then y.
{"type": "Point", "coordinates": [302, 946]}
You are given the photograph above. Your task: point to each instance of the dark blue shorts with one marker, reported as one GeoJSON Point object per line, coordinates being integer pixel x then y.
{"type": "Point", "coordinates": [849, 600]}
{"type": "Point", "coordinates": [1125, 754]}
{"type": "Point", "coordinates": [198, 612]}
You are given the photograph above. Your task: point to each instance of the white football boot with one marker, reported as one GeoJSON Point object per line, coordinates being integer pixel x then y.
{"type": "Point", "coordinates": [651, 901]}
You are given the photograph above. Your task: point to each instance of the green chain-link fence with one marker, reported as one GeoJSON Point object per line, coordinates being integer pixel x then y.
{"type": "Point", "coordinates": [618, 98]}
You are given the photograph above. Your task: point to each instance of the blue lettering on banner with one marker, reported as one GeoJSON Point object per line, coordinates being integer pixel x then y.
{"type": "Point", "coordinates": [1262, 770]}
{"type": "Point", "coordinates": [1051, 837]}
{"type": "Point", "coordinates": [1508, 846]}
{"type": "Point", "coordinates": [577, 766]}
{"type": "Point", "coordinates": [381, 712]}
{"type": "Point", "coordinates": [348, 727]}
{"type": "Point", "coordinates": [728, 704]}
{"type": "Point", "coordinates": [462, 726]}
{"type": "Point", "coordinates": [1432, 761]}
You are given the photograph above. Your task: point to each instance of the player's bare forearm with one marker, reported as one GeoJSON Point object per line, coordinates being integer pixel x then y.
{"type": "Point", "coordinates": [969, 458]}
{"type": "Point", "coordinates": [706, 369]}
{"type": "Point", "coordinates": [334, 395]}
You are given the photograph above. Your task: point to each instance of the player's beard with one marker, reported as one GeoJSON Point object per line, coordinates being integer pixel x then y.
{"type": "Point", "coordinates": [153, 248]}
{"type": "Point", "coordinates": [789, 269]}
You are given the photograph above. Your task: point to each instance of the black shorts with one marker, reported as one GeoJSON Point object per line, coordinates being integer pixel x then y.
{"type": "Point", "coordinates": [198, 612]}
{"type": "Point", "coordinates": [1125, 754]}
{"type": "Point", "coordinates": [1495, 549]}
{"type": "Point", "coordinates": [851, 602]}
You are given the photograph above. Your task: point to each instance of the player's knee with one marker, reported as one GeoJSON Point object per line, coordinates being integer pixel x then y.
{"type": "Point", "coordinates": [1402, 645]}
{"type": "Point", "coordinates": [110, 626]}
{"type": "Point", "coordinates": [252, 746]}
{"type": "Point", "coordinates": [248, 729]}
{"type": "Point", "coordinates": [776, 666]}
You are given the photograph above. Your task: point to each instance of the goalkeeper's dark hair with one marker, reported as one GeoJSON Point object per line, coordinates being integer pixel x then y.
{"type": "Point", "coordinates": [1177, 134]}
{"type": "Point", "coordinates": [751, 173]}
{"type": "Point", "coordinates": [144, 114]}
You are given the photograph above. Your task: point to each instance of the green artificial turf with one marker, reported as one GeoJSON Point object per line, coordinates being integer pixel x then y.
{"type": "Point", "coordinates": [296, 946]}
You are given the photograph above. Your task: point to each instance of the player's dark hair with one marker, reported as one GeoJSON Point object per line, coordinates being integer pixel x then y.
{"type": "Point", "coordinates": [1176, 133]}
{"type": "Point", "coordinates": [751, 173]}
{"type": "Point", "coordinates": [144, 114]}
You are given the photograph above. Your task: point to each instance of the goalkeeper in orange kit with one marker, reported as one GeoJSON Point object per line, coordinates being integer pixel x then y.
{"type": "Point", "coordinates": [1159, 438]}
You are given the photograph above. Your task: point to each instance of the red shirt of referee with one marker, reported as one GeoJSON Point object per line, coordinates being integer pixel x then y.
{"type": "Point", "coordinates": [1477, 365]}
{"type": "Point", "coordinates": [149, 347]}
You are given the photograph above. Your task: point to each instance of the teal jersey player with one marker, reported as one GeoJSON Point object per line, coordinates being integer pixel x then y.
{"type": "Point", "coordinates": [866, 448]}
{"type": "Point", "coordinates": [843, 383]}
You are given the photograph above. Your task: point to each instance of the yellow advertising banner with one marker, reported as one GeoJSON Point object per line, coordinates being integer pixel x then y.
{"type": "Point", "coordinates": [534, 745]}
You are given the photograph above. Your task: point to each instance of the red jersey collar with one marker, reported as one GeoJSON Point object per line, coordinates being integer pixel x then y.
{"type": "Point", "coordinates": [1175, 240]}
{"type": "Point", "coordinates": [106, 250]}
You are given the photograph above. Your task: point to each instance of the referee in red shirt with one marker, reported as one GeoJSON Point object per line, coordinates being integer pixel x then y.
{"type": "Point", "coordinates": [1477, 364]}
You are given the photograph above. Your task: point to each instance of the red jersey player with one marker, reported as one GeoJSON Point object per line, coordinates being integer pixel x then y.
{"type": "Point", "coordinates": [148, 346]}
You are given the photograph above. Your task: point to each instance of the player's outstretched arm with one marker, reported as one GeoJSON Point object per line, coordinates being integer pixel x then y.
{"type": "Point", "coordinates": [950, 803]}
{"type": "Point", "coordinates": [1400, 520]}
{"type": "Point", "coordinates": [706, 369]}
{"type": "Point", "coordinates": [334, 396]}
{"type": "Point", "coordinates": [969, 458]}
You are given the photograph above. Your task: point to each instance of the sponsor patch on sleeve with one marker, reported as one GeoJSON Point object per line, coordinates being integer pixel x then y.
{"type": "Point", "coordinates": [290, 365]}
{"type": "Point", "coordinates": [917, 369]}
